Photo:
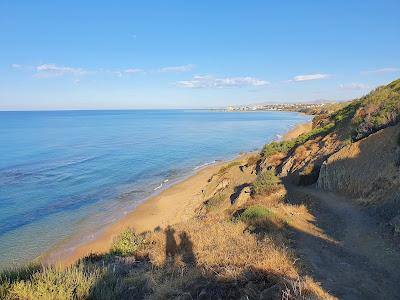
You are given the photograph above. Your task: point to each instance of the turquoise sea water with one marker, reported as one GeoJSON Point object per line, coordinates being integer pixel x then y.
{"type": "Point", "coordinates": [69, 172]}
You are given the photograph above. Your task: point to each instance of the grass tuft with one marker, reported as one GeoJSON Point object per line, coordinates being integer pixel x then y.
{"type": "Point", "coordinates": [254, 213]}
{"type": "Point", "coordinates": [126, 243]}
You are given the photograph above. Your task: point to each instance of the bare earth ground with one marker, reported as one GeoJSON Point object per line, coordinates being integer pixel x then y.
{"type": "Point", "coordinates": [344, 250]}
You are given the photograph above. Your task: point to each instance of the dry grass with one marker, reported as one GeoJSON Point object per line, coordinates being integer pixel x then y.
{"type": "Point", "coordinates": [218, 242]}
{"type": "Point", "coordinates": [252, 160]}
{"type": "Point", "coordinates": [215, 201]}
{"type": "Point", "coordinates": [226, 168]}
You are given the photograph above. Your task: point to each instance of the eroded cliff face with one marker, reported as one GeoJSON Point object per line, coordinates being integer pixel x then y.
{"type": "Point", "coordinates": [363, 168]}
{"type": "Point", "coordinates": [367, 170]}
{"type": "Point", "coordinates": [308, 158]}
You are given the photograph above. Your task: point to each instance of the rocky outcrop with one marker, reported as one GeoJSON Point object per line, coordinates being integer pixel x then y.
{"type": "Point", "coordinates": [244, 195]}
{"type": "Point", "coordinates": [311, 153]}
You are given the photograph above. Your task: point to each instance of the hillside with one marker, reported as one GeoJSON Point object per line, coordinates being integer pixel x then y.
{"type": "Point", "coordinates": [313, 217]}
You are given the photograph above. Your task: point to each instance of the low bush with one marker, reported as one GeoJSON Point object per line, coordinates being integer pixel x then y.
{"type": "Point", "coordinates": [126, 243]}
{"type": "Point", "coordinates": [286, 146]}
{"type": "Point", "coordinates": [377, 110]}
{"type": "Point", "coordinates": [266, 183]}
{"type": "Point", "coordinates": [51, 283]}
{"type": "Point", "coordinates": [254, 213]}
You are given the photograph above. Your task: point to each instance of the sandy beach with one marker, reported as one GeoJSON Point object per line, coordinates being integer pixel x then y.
{"type": "Point", "coordinates": [173, 205]}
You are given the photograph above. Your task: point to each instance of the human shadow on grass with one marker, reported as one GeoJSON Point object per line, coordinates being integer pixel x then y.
{"type": "Point", "coordinates": [179, 277]}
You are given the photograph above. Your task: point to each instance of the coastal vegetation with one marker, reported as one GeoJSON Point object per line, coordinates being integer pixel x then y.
{"type": "Point", "coordinates": [254, 213]}
{"type": "Point", "coordinates": [266, 183]}
{"type": "Point", "coordinates": [126, 243]}
{"type": "Point", "coordinates": [286, 146]}
{"type": "Point", "coordinates": [239, 244]}
{"type": "Point", "coordinates": [377, 110]}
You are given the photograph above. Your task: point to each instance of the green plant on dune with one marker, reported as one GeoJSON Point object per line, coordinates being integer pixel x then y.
{"type": "Point", "coordinates": [286, 146]}
{"type": "Point", "coordinates": [266, 182]}
{"type": "Point", "coordinates": [48, 283]}
{"type": "Point", "coordinates": [254, 213]}
{"type": "Point", "coordinates": [126, 243]}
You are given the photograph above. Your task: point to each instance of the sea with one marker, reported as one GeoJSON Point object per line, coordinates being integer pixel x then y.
{"type": "Point", "coordinates": [70, 173]}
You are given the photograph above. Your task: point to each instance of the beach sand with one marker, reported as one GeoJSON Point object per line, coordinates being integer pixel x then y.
{"type": "Point", "coordinates": [173, 205]}
{"type": "Point", "coordinates": [297, 130]}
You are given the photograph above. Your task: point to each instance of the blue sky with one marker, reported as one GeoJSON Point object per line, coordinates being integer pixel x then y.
{"type": "Point", "coordinates": [167, 54]}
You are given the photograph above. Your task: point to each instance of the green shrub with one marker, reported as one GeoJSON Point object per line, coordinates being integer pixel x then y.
{"type": "Point", "coordinates": [286, 146]}
{"type": "Point", "coordinates": [278, 147]}
{"type": "Point", "coordinates": [266, 182]}
{"type": "Point", "coordinates": [52, 283]}
{"type": "Point", "coordinates": [126, 243]}
{"type": "Point", "coordinates": [377, 110]}
{"type": "Point", "coordinates": [254, 213]}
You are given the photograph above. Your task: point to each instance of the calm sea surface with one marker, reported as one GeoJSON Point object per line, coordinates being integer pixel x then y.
{"type": "Point", "coordinates": [68, 172]}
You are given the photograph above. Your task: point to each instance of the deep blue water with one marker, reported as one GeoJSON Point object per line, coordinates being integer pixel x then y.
{"type": "Point", "coordinates": [69, 171]}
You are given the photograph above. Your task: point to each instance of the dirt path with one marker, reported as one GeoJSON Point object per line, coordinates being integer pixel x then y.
{"type": "Point", "coordinates": [360, 263]}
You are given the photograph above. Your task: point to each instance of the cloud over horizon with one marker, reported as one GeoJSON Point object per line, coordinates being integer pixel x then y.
{"type": "Point", "coordinates": [51, 70]}
{"type": "Point", "coordinates": [310, 77]}
{"type": "Point", "coordinates": [207, 81]}
{"type": "Point", "coordinates": [133, 70]}
{"type": "Point", "coordinates": [177, 69]}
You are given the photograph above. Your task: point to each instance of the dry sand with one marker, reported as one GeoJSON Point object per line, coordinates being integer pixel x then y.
{"type": "Point", "coordinates": [297, 130]}
{"type": "Point", "coordinates": [175, 204]}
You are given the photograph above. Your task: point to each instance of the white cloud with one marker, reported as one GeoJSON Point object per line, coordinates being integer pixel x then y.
{"type": "Point", "coordinates": [382, 71]}
{"type": "Point", "coordinates": [310, 77]}
{"type": "Point", "coordinates": [354, 86]}
{"type": "Point", "coordinates": [133, 70]}
{"type": "Point", "coordinates": [177, 69]}
{"type": "Point", "coordinates": [52, 70]}
{"type": "Point", "coordinates": [212, 82]}
{"type": "Point", "coordinates": [16, 66]}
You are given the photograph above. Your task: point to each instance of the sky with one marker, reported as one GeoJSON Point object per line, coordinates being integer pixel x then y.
{"type": "Point", "coordinates": [193, 54]}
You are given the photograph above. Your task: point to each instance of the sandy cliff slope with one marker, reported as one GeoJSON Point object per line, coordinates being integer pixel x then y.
{"type": "Point", "coordinates": [368, 170]}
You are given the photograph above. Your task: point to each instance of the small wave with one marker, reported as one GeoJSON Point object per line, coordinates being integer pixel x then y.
{"type": "Point", "coordinates": [159, 187]}
{"type": "Point", "coordinates": [279, 136]}
{"type": "Point", "coordinates": [166, 180]}
{"type": "Point", "coordinates": [204, 165]}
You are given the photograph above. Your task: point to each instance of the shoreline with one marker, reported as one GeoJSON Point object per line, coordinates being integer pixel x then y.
{"type": "Point", "coordinates": [174, 204]}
